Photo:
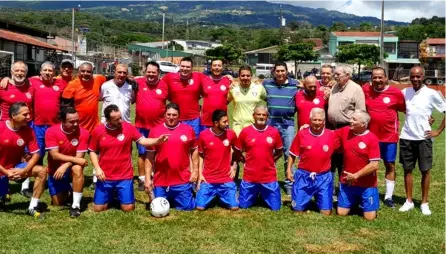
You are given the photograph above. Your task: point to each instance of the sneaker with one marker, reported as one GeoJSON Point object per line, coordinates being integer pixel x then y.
{"type": "Point", "coordinates": [425, 209]}
{"type": "Point", "coordinates": [7, 198]}
{"type": "Point", "coordinates": [141, 186]}
{"type": "Point", "coordinates": [27, 193]}
{"type": "Point", "coordinates": [407, 207]}
{"type": "Point", "coordinates": [75, 212]}
{"type": "Point", "coordinates": [36, 213]}
{"type": "Point", "coordinates": [288, 190]}
{"type": "Point", "coordinates": [389, 203]}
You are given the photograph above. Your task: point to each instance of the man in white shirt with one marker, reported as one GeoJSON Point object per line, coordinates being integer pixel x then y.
{"type": "Point", "coordinates": [119, 92]}
{"type": "Point", "coordinates": [417, 136]}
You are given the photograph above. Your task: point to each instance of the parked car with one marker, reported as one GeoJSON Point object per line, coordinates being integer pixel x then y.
{"type": "Point", "coordinates": [166, 67]}
{"type": "Point", "coordinates": [264, 69]}
{"type": "Point", "coordinates": [225, 72]}
{"type": "Point", "coordinates": [364, 76]}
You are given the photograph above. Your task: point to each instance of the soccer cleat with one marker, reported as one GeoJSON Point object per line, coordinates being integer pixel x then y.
{"type": "Point", "coordinates": [75, 212]}
{"type": "Point", "coordinates": [141, 186]}
{"type": "Point", "coordinates": [288, 190]}
{"type": "Point", "coordinates": [407, 207]}
{"type": "Point", "coordinates": [7, 198]}
{"type": "Point", "coordinates": [36, 214]}
{"type": "Point", "coordinates": [27, 193]}
{"type": "Point", "coordinates": [425, 209]}
{"type": "Point", "coordinates": [389, 203]}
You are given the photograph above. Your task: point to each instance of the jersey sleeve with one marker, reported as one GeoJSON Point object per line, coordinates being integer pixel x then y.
{"type": "Point", "coordinates": [51, 140]}
{"type": "Point", "coordinates": [230, 95]}
{"type": "Point", "coordinates": [360, 99]}
{"type": "Point", "coordinates": [83, 142]}
{"type": "Point", "coordinates": [93, 145]}
{"type": "Point", "coordinates": [194, 140]}
{"type": "Point", "coordinates": [439, 102]}
{"type": "Point", "coordinates": [201, 144]}
{"type": "Point", "coordinates": [374, 152]}
{"type": "Point", "coordinates": [239, 141]}
{"type": "Point", "coordinates": [151, 135]}
{"type": "Point", "coordinates": [262, 92]}
{"type": "Point", "coordinates": [400, 101]}
{"type": "Point", "coordinates": [69, 91]}
{"type": "Point", "coordinates": [295, 146]}
{"type": "Point", "coordinates": [135, 134]}
{"type": "Point", "coordinates": [278, 141]}
{"type": "Point", "coordinates": [33, 147]}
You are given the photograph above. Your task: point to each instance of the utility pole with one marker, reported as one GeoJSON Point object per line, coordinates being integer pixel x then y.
{"type": "Point", "coordinates": [381, 48]}
{"type": "Point", "coordinates": [187, 29]}
{"type": "Point", "coordinates": [72, 35]}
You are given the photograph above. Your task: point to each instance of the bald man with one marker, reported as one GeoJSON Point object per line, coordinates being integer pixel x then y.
{"type": "Point", "coordinates": [307, 99]}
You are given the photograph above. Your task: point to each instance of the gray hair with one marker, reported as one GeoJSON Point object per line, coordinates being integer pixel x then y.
{"type": "Point", "coordinates": [48, 63]}
{"type": "Point", "coordinates": [347, 69]}
{"type": "Point", "coordinates": [19, 62]}
{"type": "Point", "coordinates": [262, 107]}
{"type": "Point", "coordinates": [316, 111]}
{"type": "Point", "coordinates": [85, 63]}
{"type": "Point", "coordinates": [418, 66]}
{"type": "Point", "coordinates": [365, 117]}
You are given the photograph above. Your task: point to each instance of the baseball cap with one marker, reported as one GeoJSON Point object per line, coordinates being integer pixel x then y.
{"type": "Point", "coordinates": [64, 61]}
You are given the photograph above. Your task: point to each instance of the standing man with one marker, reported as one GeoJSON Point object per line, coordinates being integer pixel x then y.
{"type": "Point", "coordinates": [326, 82]}
{"type": "Point", "coordinates": [383, 104]}
{"type": "Point", "coordinates": [170, 162]}
{"type": "Point", "coordinates": [66, 144]}
{"type": "Point", "coordinates": [16, 135]}
{"type": "Point", "coordinates": [359, 180]}
{"type": "Point", "coordinates": [113, 141]}
{"type": "Point", "coordinates": [150, 106]}
{"type": "Point", "coordinates": [307, 99]}
{"type": "Point", "coordinates": [262, 146]}
{"type": "Point", "coordinates": [66, 70]}
{"type": "Point", "coordinates": [417, 136]}
{"type": "Point", "coordinates": [280, 98]}
{"type": "Point", "coordinates": [185, 90]}
{"type": "Point", "coordinates": [216, 177]}
{"type": "Point", "coordinates": [215, 94]}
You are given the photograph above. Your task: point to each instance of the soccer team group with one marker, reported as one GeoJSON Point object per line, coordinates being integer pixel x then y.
{"type": "Point", "coordinates": [188, 154]}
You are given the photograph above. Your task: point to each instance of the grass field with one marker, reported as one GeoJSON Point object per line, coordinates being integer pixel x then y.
{"type": "Point", "coordinates": [217, 230]}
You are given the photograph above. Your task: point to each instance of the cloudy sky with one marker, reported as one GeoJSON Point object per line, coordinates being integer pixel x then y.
{"type": "Point", "coordinates": [404, 11]}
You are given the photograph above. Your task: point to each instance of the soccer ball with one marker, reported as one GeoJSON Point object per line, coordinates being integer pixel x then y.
{"type": "Point", "coordinates": [159, 207]}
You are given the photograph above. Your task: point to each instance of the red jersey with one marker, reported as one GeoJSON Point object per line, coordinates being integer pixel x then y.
{"type": "Point", "coordinates": [172, 158]}
{"type": "Point", "coordinates": [305, 103]}
{"type": "Point", "coordinates": [12, 94]}
{"type": "Point", "coordinates": [383, 107]}
{"type": "Point", "coordinates": [186, 93]}
{"type": "Point", "coordinates": [13, 143]}
{"type": "Point", "coordinates": [47, 101]}
{"type": "Point", "coordinates": [359, 150]}
{"type": "Point", "coordinates": [314, 151]}
{"type": "Point", "coordinates": [259, 146]}
{"type": "Point", "coordinates": [115, 150]}
{"type": "Point", "coordinates": [67, 143]}
{"type": "Point", "coordinates": [150, 103]}
{"type": "Point", "coordinates": [217, 155]}
{"type": "Point", "coordinates": [215, 96]}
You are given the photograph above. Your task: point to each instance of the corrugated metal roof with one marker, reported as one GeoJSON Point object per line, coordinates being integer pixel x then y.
{"type": "Point", "coordinates": [361, 34]}
{"type": "Point", "coordinates": [26, 39]}
{"type": "Point", "coordinates": [162, 52]}
{"type": "Point", "coordinates": [436, 41]}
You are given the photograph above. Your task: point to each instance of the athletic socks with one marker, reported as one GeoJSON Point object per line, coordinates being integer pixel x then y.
{"type": "Point", "coordinates": [77, 196]}
{"type": "Point", "coordinates": [390, 186]}
{"type": "Point", "coordinates": [25, 184]}
{"type": "Point", "coordinates": [142, 178]}
{"type": "Point", "coordinates": [33, 204]}
{"type": "Point", "coordinates": [95, 179]}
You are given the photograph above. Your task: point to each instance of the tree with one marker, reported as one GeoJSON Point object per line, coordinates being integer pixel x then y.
{"type": "Point", "coordinates": [227, 53]}
{"type": "Point", "coordinates": [298, 52]}
{"type": "Point", "coordinates": [361, 54]}
{"type": "Point", "coordinates": [365, 26]}
{"type": "Point", "coordinates": [338, 27]}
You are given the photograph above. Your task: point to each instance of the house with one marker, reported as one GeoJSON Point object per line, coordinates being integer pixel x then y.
{"type": "Point", "coordinates": [432, 53]}
{"type": "Point", "coordinates": [193, 47]}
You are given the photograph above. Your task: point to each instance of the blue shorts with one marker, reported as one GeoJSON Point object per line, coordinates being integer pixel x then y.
{"type": "Point", "coordinates": [226, 192]}
{"type": "Point", "coordinates": [304, 188]}
{"type": "Point", "coordinates": [204, 127]}
{"type": "Point", "coordinates": [40, 131]}
{"type": "Point", "coordinates": [4, 180]}
{"type": "Point", "coordinates": [179, 196]}
{"type": "Point", "coordinates": [30, 124]}
{"type": "Point", "coordinates": [367, 198]}
{"type": "Point", "coordinates": [105, 192]}
{"type": "Point", "coordinates": [141, 148]}
{"type": "Point", "coordinates": [57, 186]}
{"type": "Point", "coordinates": [388, 151]}
{"type": "Point", "coordinates": [269, 192]}
{"type": "Point", "coordinates": [195, 124]}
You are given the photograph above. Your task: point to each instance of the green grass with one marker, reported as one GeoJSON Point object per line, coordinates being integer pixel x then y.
{"type": "Point", "coordinates": [217, 230]}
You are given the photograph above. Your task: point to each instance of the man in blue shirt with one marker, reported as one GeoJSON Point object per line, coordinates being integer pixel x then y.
{"type": "Point", "coordinates": [280, 97]}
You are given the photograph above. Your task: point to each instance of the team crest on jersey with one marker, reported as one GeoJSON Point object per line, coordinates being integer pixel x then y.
{"type": "Point", "coordinates": [20, 142]}
{"type": "Point", "coordinates": [183, 138]}
{"type": "Point", "coordinates": [316, 101]}
{"type": "Point", "coordinates": [225, 142]}
{"type": "Point", "coordinates": [145, 89]}
{"type": "Point", "coordinates": [75, 142]}
{"type": "Point", "coordinates": [190, 81]}
{"type": "Point", "coordinates": [211, 143]}
{"type": "Point", "coordinates": [209, 87]}
{"type": "Point", "coordinates": [6, 140]}
{"type": "Point", "coordinates": [386, 100]}
{"type": "Point", "coordinates": [269, 140]}
{"type": "Point", "coordinates": [223, 88]}
{"type": "Point", "coordinates": [158, 91]}
{"type": "Point", "coordinates": [362, 145]}
{"type": "Point", "coordinates": [12, 96]}
{"type": "Point", "coordinates": [120, 137]}
{"type": "Point", "coordinates": [42, 86]}
{"type": "Point", "coordinates": [28, 95]}
{"type": "Point", "coordinates": [254, 93]}
{"type": "Point", "coordinates": [253, 140]}
{"type": "Point", "coordinates": [56, 88]}
{"type": "Point", "coordinates": [325, 148]}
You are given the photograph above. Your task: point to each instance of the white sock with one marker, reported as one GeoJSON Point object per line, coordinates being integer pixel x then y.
{"type": "Point", "coordinates": [25, 184]}
{"type": "Point", "coordinates": [390, 186]}
{"type": "Point", "coordinates": [142, 178]}
{"type": "Point", "coordinates": [77, 196]}
{"type": "Point", "coordinates": [95, 179]}
{"type": "Point", "coordinates": [33, 204]}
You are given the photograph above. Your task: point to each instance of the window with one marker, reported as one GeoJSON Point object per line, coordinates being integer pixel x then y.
{"type": "Point", "coordinates": [390, 47]}
{"type": "Point", "coordinates": [345, 43]}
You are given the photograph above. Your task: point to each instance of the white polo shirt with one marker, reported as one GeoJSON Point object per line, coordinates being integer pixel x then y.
{"type": "Point", "coordinates": [120, 96]}
{"type": "Point", "coordinates": [419, 106]}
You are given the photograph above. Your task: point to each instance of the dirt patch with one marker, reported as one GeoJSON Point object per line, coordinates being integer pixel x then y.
{"type": "Point", "coordinates": [334, 247]}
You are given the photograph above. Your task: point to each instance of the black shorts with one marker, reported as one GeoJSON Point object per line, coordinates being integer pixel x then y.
{"type": "Point", "coordinates": [413, 150]}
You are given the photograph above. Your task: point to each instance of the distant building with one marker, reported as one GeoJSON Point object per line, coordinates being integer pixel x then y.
{"type": "Point", "coordinates": [194, 47]}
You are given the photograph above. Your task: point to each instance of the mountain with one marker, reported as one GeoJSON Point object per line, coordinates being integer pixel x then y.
{"type": "Point", "coordinates": [246, 13]}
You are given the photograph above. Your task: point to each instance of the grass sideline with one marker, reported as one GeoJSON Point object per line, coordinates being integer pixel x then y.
{"type": "Point", "coordinates": [217, 230]}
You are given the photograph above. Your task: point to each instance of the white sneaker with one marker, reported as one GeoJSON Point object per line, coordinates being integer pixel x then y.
{"type": "Point", "coordinates": [425, 209]}
{"type": "Point", "coordinates": [407, 206]}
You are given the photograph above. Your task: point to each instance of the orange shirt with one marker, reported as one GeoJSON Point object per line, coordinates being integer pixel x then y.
{"type": "Point", "coordinates": [86, 100]}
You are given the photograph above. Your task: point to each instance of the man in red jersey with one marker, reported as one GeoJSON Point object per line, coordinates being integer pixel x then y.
{"type": "Point", "coordinates": [361, 159]}
{"type": "Point", "coordinates": [113, 141]}
{"type": "Point", "coordinates": [173, 176]}
{"type": "Point", "coordinates": [185, 90]}
{"type": "Point", "coordinates": [383, 103]}
{"type": "Point", "coordinates": [15, 136]}
{"type": "Point", "coordinates": [308, 99]}
{"type": "Point", "coordinates": [215, 94]}
{"type": "Point", "coordinates": [216, 177]}
{"type": "Point", "coordinates": [150, 103]}
{"type": "Point", "coordinates": [66, 144]}
{"type": "Point", "coordinates": [262, 146]}
{"type": "Point", "coordinates": [314, 147]}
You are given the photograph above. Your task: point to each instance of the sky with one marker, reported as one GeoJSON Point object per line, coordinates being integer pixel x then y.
{"type": "Point", "coordinates": [404, 11]}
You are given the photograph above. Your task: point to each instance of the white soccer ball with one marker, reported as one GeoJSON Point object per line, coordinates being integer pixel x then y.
{"type": "Point", "coordinates": [159, 207]}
